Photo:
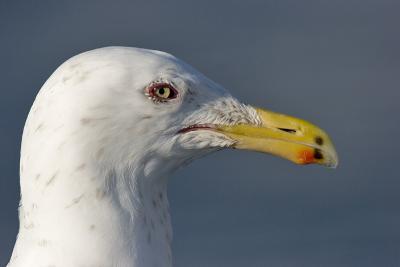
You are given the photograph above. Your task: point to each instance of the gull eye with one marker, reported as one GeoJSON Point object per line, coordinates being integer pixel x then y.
{"type": "Point", "coordinates": [161, 92]}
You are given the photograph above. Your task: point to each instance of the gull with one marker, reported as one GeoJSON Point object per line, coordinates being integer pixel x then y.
{"type": "Point", "coordinates": [103, 135]}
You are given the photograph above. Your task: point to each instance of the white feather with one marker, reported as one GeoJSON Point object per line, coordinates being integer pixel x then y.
{"type": "Point", "coordinates": [97, 152]}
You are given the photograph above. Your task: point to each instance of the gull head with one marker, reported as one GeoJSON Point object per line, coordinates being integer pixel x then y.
{"type": "Point", "coordinates": [105, 131]}
{"type": "Point", "coordinates": [127, 103]}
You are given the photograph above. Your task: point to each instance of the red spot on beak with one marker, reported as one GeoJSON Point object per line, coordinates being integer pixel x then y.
{"type": "Point", "coordinates": [306, 156]}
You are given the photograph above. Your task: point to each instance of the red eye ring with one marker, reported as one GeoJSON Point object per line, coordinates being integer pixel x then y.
{"type": "Point", "coordinates": [161, 92]}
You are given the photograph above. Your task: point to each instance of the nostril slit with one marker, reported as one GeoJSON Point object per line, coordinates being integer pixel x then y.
{"type": "Point", "coordinates": [288, 130]}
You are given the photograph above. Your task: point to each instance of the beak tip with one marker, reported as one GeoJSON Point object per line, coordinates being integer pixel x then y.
{"type": "Point", "coordinates": [333, 165]}
{"type": "Point", "coordinates": [333, 161]}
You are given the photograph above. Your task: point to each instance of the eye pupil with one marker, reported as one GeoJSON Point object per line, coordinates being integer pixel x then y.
{"type": "Point", "coordinates": [161, 91]}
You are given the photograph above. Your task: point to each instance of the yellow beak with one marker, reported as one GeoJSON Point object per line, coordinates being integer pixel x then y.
{"type": "Point", "coordinates": [291, 138]}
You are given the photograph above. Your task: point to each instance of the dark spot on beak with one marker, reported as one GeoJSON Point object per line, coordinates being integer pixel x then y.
{"type": "Point", "coordinates": [319, 140]}
{"type": "Point", "coordinates": [318, 154]}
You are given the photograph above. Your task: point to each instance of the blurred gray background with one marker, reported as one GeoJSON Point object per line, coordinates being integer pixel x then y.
{"type": "Point", "coordinates": [335, 63]}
